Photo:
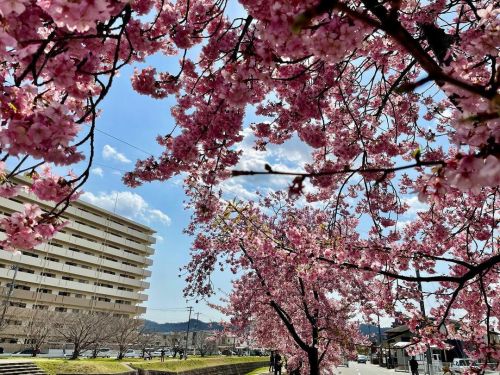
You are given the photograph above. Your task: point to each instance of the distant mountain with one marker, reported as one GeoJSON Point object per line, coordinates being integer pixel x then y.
{"type": "Point", "coordinates": [195, 324]}
{"type": "Point", "coordinates": [372, 331]}
{"type": "Point", "coordinates": [198, 325]}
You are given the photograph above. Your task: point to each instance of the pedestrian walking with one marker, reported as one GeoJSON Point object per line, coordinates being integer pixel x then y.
{"type": "Point", "coordinates": [278, 363]}
{"type": "Point", "coordinates": [162, 355]}
{"type": "Point", "coordinates": [271, 361]}
{"type": "Point", "coordinates": [413, 366]}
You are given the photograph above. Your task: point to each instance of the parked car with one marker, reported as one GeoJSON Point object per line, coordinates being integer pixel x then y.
{"type": "Point", "coordinates": [362, 358]}
{"type": "Point", "coordinates": [106, 353]}
{"type": "Point", "coordinates": [27, 353]}
{"type": "Point", "coordinates": [86, 353]}
{"type": "Point", "coordinates": [156, 353]}
{"type": "Point", "coordinates": [459, 365]}
{"type": "Point", "coordinates": [131, 353]}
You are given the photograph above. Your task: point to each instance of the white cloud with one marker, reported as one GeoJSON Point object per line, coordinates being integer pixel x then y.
{"type": "Point", "coordinates": [160, 216]}
{"type": "Point", "coordinates": [128, 204]}
{"type": "Point", "coordinates": [414, 205]}
{"type": "Point", "coordinates": [232, 189]}
{"type": "Point", "coordinates": [109, 153]}
{"type": "Point", "coordinates": [97, 171]}
{"type": "Point", "coordinates": [159, 238]}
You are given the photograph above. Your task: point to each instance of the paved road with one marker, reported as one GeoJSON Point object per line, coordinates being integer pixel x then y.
{"type": "Point", "coordinates": [364, 369]}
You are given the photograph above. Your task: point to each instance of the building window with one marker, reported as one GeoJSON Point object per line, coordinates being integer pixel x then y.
{"type": "Point", "coordinates": [48, 274]}
{"type": "Point", "coordinates": [40, 307]}
{"type": "Point", "coordinates": [17, 304]}
{"type": "Point", "coordinates": [64, 293]}
{"type": "Point", "coordinates": [110, 272]}
{"type": "Point", "coordinates": [56, 244]}
{"type": "Point", "coordinates": [127, 276]}
{"type": "Point", "coordinates": [43, 290]}
{"type": "Point", "coordinates": [83, 281]}
{"type": "Point", "coordinates": [8, 340]}
{"type": "Point", "coordinates": [80, 296]}
{"type": "Point", "coordinates": [67, 278]}
{"type": "Point", "coordinates": [72, 264]}
{"type": "Point", "coordinates": [61, 309]}
{"type": "Point", "coordinates": [26, 270]}
{"type": "Point", "coordinates": [13, 322]}
{"type": "Point", "coordinates": [19, 286]}
{"type": "Point", "coordinates": [131, 252]}
{"type": "Point", "coordinates": [30, 254]}
{"type": "Point", "coordinates": [125, 289]}
{"type": "Point", "coordinates": [104, 299]}
{"type": "Point", "coordinates": [104, 285]}
{"type": "Point", "coordinates": [52, 259]}
{"type": "Point", "coordinates": [123, 302]}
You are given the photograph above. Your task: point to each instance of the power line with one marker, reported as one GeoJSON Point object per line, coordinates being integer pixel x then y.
{"type": "Point", "coordinates": [180, 309]}
{"type": "Point", "coordinates": [122, 141]}
{"type": "Point", "coordinates": [110, 167]}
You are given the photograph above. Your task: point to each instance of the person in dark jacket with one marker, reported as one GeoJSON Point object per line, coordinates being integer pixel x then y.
{"type": "Point", "coordinates": [413, 366]}
{"type": "Point", "coordinates": [271, 361]}
{"type": "Point", "coordinates": [278, 363]}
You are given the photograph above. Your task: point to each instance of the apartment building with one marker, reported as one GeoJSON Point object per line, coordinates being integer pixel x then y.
{"type": "Point", "coordinates": [98, 262]}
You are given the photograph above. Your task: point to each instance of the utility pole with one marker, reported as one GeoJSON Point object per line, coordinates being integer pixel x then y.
{"type": "Point", "coordinates": [422, 309]}
{"type": "Point", "coordinates": [187, 332]}
{"type": "Point", "coordinates": [195, 332]}
{"type": "Point", "coordinates": [379, 342]}
{"type": "Point", "coordinates": [9, 293]}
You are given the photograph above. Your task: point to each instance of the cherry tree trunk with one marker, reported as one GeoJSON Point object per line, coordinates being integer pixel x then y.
{"type": "Point", "coordinates": [313, 358]}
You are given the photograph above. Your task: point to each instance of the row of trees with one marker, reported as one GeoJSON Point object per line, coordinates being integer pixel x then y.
{"type": "Point", "coordinates": [80, 331]}
{"type": "Point", "coordinates": [92, 331]}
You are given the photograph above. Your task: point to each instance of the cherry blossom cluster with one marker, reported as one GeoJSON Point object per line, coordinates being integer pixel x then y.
{"type": "Point", "coordinates": [51, 187]}
{"type": "Point", "coordinates": [27, 229]}
{"type": "Point", "coordinates": [286, 252]}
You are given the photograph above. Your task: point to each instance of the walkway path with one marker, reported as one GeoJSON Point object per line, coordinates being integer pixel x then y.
{"type": "Point", "coordinates": [365, 369]}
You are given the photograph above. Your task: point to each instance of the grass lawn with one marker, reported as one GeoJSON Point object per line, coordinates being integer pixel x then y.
{"type": "Point", "coordinates": [259, 371]}
{"type": "Point", "coordinates": [80, 366]}
{"type": "Point", "coordinates": [174, 364]}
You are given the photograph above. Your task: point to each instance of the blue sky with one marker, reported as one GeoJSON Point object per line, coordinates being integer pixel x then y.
{"type": "Point", "coordinates": [137, 120]}
{"type": "Point", "coordinates": [126, 132]}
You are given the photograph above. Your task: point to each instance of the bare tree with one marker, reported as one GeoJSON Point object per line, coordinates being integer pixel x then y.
{"type": "Point", "coordinates": [83, 330]}
{"type": "Point", "coordinates": [205, 343]}
{"type": "Point", "coordinates": [40, 326]}
{"type": "Point", "coordinates": [126, 332]}
{"type": "Point", "coordinates": [175, 339]}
